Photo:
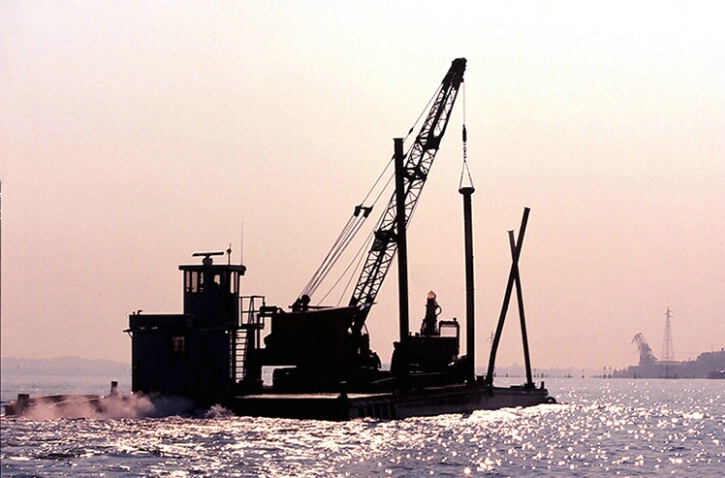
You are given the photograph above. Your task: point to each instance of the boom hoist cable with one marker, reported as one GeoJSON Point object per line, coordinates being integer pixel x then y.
{"type": "Point", "coordinates": [346, 236]}
{"type": "Point", "coordinates": [352, 227]}
{"type": "Point", "coordinates": [343, 240]}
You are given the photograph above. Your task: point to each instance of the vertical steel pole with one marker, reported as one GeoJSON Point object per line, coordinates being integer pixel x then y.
{"type": "Point", "coordinates": [470, 296]}
{"type": "Point", "coordinates": [402, 242]}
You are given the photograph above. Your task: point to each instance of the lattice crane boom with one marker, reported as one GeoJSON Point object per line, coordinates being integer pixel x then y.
{"type": "Point", "coordinates": [419, 160]}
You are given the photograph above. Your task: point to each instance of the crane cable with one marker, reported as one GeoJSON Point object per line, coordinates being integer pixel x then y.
{"type": "Point", "coordinates": [348, 232]}
{"type": "Point", "coordinates": [464, 166]}
{"type": "Point", "coordinates": [354, 224]}
{"type": "Point", "coordinates": [359, 257]}
{"type": "Point", "coordinates": [357, 262]}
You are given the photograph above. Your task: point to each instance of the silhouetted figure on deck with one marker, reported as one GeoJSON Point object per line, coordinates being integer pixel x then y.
{"type": "Point", "coordinates": [301, 304]}
{"type": "Point", "coordinates": [432, 311]}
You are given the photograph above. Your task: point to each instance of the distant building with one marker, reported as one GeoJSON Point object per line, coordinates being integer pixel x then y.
{"type": "Point", "coordinates": [706, 365]}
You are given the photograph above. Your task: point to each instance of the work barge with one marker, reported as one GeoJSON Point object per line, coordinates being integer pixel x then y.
{"type": "Point", "coordinates": [215, 352]}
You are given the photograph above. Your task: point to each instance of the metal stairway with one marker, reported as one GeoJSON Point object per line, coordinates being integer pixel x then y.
{"type": "Point", "coordinates": [238, 354]}
{"type": "Point", "coordinates": [244, 336]}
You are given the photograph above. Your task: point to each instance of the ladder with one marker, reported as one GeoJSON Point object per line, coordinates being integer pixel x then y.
{"type": "Point", "coordinates": [238, 355]}
{"type": "Point", "coordinates": [244, 336]}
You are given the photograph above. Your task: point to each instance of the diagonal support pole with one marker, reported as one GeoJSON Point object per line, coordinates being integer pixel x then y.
{"type": "Point", "coordinates": [513, 273]}
{"type": "Point", "coordinates": [520, 300]}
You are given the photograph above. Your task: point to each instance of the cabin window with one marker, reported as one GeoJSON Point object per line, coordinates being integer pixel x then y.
{"type": "Point", "coordinates": [191, 281]}
{"type": "Point", "coordinates": [448, 330]}
{"type": "Point", "coordinates": [198, 281]}
{"type": "Point", "coordinates": [178, 344]}
{"type": "Point", "coordinates": [233, 283]}
{"type": "Point", "coordinates": [212, 282]}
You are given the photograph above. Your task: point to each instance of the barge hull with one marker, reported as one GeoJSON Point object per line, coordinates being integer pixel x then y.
{"type": "Point", "coordinates": [391, 405]}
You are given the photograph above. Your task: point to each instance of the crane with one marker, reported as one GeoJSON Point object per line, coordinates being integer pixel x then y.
{"type": "Point", "coordinates": [645, 351]}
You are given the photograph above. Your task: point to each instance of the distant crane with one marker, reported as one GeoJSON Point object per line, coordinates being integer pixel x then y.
{"type": "Point", "coordinates": [645, 351]}
{"type": "Point", "coordinates": [668, 350]}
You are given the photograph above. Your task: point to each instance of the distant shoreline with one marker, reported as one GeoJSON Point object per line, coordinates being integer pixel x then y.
{"type": "Point", "coordinates": [69, 365]}
{"type": "Point", "coordinates": [74, 365]}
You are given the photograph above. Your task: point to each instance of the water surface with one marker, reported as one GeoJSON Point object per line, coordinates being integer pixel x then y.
{"type": "Point", "coordinates": [604, 428]}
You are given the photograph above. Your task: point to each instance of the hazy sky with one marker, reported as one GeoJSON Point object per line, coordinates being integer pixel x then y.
{"type": "Point", "coordinates": [135, 133]}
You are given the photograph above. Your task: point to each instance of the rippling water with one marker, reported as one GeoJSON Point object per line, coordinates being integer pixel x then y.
{"type": "Point", "coordinates": [606, 428]}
